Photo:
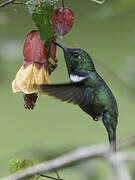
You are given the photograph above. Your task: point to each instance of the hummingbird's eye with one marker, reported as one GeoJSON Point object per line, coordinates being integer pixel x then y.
{"type": "Point", "coordinates": [76, 55]}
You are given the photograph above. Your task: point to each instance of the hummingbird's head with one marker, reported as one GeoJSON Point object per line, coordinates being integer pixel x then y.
{"type": "Point", "coordinates": [77, 60]}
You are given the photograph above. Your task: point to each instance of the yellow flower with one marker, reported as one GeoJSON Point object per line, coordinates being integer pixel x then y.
{"type": "Point", "coordinates": [28, 76]}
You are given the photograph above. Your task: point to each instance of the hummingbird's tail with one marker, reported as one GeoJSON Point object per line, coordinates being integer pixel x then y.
{"type": "Point", "coordinates": [112, 139]}
{"type": "Point", "coordinates": [110, 124]}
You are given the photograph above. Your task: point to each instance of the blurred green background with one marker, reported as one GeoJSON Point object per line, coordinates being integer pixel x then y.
{"type": "Point", "coordinates": [107, 32]}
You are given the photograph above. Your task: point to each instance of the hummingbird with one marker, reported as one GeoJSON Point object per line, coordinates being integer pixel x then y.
{"type": "Point", "coordinates": [87, 90]}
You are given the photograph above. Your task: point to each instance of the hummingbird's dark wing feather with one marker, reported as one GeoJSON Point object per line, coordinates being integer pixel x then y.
{"type": "Point", "coordinates": [74, 93]}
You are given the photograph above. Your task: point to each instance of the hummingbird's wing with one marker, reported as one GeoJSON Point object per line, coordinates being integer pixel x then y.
{"type": "Point", "coordinates": [75, 93]}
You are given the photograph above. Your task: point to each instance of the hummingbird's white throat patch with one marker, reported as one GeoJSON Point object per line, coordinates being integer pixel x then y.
{"type": "Point", "coordinates": [76, 78]}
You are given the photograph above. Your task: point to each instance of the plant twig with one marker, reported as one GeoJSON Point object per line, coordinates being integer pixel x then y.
{"type": "Point", "coordinates": [58, 177]}
{"type": "Point", "coordinates": [99, 2]}
{"type": "Point", "coordinates": [118, 167]}
{"type": "Point", "coordinates": [17, 2]}
{"type": "Point", "coordinates": [97, 151]}
{"type": "Point", "coordinates": [10, 2]}
{"type": "Point", "coordinates": [66, 159]}
{"type": "Point", "coordinates": [6, 3]}
{"type": "Point", "coordinates": [116, 161]}
{"type": "Point", "coordinates": [48, 177]}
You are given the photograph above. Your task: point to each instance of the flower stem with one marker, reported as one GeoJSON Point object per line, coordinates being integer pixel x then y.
{"type": "Point", "coordinates": [62, 1]}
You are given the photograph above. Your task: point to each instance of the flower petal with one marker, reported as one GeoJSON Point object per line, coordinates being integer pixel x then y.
{"type": "Point", "coordinates": [28, 76]}
{"type": "Point", "coordinates": [34, 50]}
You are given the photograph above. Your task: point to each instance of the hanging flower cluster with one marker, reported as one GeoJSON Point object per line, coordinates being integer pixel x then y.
{"type": "Point", "coordinates": [38, 47]}
{"type": "Point", "coordinates": [34, 69]}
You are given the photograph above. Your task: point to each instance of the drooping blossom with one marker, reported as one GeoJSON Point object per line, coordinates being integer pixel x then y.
{"type": "Point", "coordinates": [34, 69]}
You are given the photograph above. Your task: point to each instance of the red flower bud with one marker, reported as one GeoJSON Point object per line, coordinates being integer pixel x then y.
{"type": "Point", "coordinates": [62, 20]}
{"type": "Point", "coordinates": [34, 51]}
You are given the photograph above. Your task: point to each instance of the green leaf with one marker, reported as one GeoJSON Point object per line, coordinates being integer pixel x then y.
{"type": "Point", "coordinates": [17, 165]}
{"type": "Point", "coordinates": [14, 165]}
{"type": "Point", "coordinates": [25, 163]}
{"type": "Point", "coordinates": [41, 11]}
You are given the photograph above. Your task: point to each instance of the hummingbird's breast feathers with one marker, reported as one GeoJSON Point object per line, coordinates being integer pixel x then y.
{"type": "Point", "coordinates": [104, 97]}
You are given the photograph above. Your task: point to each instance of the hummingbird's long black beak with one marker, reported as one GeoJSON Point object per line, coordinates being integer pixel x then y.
{"type": "Point", "coordinates": [58, 44]}
{"type": "Point", "coordinates": [66, 55]}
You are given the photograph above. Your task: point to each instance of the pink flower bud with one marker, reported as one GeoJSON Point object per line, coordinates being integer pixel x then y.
{"type": "Point", "coordinates": [62, 20]}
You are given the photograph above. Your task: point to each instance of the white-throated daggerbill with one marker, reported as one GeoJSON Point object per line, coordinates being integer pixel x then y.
{"type": "Point", "coordinates": [86, 89]}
